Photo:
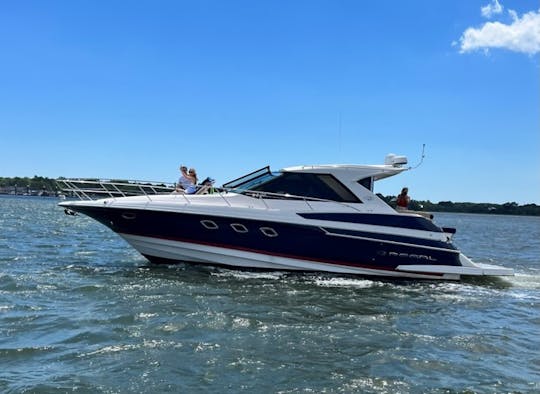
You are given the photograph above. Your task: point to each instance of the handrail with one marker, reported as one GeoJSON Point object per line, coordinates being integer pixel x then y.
{"type": "Point", "coordinates": [92, 189]}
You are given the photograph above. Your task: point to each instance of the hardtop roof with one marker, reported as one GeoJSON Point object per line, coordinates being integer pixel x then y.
{"type": "Point", "coordinates": [351, 171]}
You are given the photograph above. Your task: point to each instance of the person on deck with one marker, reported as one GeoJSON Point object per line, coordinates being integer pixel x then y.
{"type": "Point", "coordinates": [403, 200]}
{"type": "Point", "coordinates": [207, 186]}
{"type": "Point", "coordinates": [187, 181]}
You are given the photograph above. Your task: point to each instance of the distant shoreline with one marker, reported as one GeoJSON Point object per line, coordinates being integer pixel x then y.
{"type": "Point", "coordinates": [508, 208]}
{"type": "Point", "coordinates": [31, 195]}
{"type": "Point", "coordinates": [47, 187]}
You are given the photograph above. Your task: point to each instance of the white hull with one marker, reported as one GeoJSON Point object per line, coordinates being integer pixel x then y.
{"type": "Point", "coordinates": [203, 254]}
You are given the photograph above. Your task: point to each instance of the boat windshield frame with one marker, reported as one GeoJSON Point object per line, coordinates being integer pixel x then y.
{"type": "Point", "coordinates": [323, 187]}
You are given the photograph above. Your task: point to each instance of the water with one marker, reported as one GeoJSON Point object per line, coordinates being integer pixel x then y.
{"type": "Point", "coordinates": [82, 312]}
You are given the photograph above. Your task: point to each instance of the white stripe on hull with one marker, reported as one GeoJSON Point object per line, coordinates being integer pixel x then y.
{"type": "Point", "coordinates": [191, 252]}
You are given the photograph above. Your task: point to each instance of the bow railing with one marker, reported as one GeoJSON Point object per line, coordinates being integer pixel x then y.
{"type": "Point", "coordinates": [93, 189]}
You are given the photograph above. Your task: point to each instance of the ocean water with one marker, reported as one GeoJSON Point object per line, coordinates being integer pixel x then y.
{"type": "Point", "coordinates": [80, 311]}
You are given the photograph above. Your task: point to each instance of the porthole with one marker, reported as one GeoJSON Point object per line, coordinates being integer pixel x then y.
{"type": "Point", "coordinates": [269, 232]}
{"type": "Point", "coordinates": [239, 228]}
{"type": "Point", "coordinates": [209, 224]}
{"type": "Point", "coordinates": [128, 215]}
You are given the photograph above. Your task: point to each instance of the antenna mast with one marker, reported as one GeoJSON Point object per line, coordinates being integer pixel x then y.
{"type": "Point", "coordinates": [421, 158]}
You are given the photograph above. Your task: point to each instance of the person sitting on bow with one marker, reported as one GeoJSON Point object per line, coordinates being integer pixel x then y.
{"type": "Point", "coordinates": [187, 181]}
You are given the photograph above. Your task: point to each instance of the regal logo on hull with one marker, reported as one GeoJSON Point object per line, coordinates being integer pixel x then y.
{"type": "Point", "coordinates": [413, 256]}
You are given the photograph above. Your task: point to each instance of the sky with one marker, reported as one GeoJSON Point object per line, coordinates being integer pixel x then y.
{"type": "Point", "coordinates": [132, 89]}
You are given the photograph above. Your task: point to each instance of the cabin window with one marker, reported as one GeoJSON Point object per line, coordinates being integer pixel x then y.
{"type": "Point", "coordinates": [336, 186]}
{"type": "Point", "coordinates": [209, 224]}
{"type": "Point", "coordinates": [367, 183]}
{"type": "Point", "coordinates": [239, 227]}
{"type": "Point", "coordinates": [129, 215]}
{"type": "Point", "coordinates": [323, 186]}
{"type": "Point", "coordinates": [269, 232]}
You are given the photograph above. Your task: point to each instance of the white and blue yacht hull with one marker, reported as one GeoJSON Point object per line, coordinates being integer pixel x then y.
{"type": "Point", "coordinates": [348, 243]}
{"type": "Point", "coordinates": [304, 218]}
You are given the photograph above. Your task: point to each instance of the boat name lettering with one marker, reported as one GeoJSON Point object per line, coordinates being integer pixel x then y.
{"type": "Point", "coordinates": [407, 255]}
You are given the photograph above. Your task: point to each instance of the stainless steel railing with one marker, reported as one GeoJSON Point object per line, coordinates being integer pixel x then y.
{"type": "Point", "coordinates": [93, 189]}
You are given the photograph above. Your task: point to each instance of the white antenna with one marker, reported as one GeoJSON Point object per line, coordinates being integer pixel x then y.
{"type": "Point", "coordinates": [421, 158]}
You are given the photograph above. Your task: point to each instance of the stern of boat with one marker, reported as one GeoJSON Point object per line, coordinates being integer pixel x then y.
{"type": "Point", "coordinates": [467, 268]}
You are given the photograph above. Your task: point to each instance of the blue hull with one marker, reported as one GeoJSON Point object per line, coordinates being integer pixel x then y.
{"type": "Point", "coordinates": [304, 242]}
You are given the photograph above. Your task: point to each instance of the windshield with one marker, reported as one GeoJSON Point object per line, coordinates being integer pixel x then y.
{"type": "Point", "coordinates": [251, 180]}
{"type": "Point", "coordinates": [319, 186]}
{"type": "Point", "coordinates": [292, 185]}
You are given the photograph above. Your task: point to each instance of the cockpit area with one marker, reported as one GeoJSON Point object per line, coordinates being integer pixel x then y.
{"type": "Point", "coordinates": [293, 184]}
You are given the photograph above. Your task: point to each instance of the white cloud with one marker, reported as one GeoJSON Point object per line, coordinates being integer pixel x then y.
{"type": "Point", "coordinates": [522, 35]}
{"type": "Point", "coordinates": [491, 9]}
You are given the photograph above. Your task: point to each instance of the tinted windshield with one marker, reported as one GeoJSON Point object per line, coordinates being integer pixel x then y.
{"type": "Point", "coordinates": [322, 186]}
{"type": "Point", "coordinates": [250, 180]}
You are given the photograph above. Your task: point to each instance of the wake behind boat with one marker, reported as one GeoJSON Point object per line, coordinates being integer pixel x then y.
{"type": "Point", "coordinates": [305, 218]}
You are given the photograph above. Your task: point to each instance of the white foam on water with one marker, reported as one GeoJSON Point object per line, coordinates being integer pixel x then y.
{"type": "Point", "coordinates": [249, 275]}
{"type": "Point", "coordinates": [173, 327]}
{"type": "Point", "coordinates": [146, 315]}
{"type": "Point", "coordinates": [240, 322]}
{"type": "Point", "coordinates": [146, 344]}
{"type": "Point", "coordinates": [204, 346]}
{"type": "Point", "coordinates": [346, 282]}
{"type": "Point", "coordinates": [525, 281]}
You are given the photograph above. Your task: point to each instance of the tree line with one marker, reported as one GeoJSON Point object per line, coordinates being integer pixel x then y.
{"type": "Point", "coordinates": [35, 183]}
{"type": "Point", "coordinates": [508, 208]}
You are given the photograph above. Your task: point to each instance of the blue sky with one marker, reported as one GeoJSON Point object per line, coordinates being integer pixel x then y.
{"type": "Point", "coordinates": [133, 89]}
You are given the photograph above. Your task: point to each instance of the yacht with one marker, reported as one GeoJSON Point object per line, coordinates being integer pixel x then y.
{"type": "Point", "coordinates": [323, 218]}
